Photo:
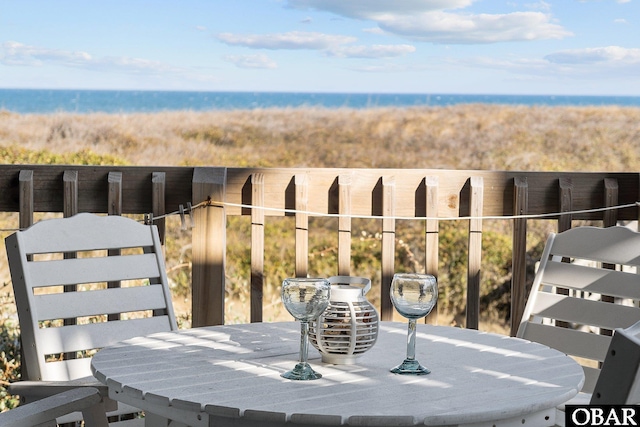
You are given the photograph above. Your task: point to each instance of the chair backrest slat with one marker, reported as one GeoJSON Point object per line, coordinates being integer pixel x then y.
{"type": "Point", "coordinates": [108, 249]}
{"type": "Point", "coordinates": [570, 341]}
{"type": "Point", "coordinates": [586, 286]}
{"type": "Point", "coordinates": [97, 335]}
{"type": "Point", "coordinates": [100, 302]}
{"type": "Point", "coordinates": [586, 312]}
{"type": "Point", "coordinates": [93, 270]}
{"type": "Point", "coordinates": [614, 283]}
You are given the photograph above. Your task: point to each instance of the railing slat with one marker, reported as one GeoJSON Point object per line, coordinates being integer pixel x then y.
{"type": "Point", "coordinates": [475, 252]}
{"type": "Point", "coordinates": [431, 235]}
{"type": "Point", "coordinates": [388, 245]}
{"type": "Point", "coordinates": [26, 202]}
{"type": "Point", "coordinates": [610, 199]}
{"type": "Point", "coordinates": [565, 223]}
{"type": "Point", "coordinates": [158, 201]}
{"type": "Point", "coordinates": [70, 208]}
{"type": "Point", "coordinates": [301, 183]}
{"type": "Point", "coordinates": [344, 225]}
{"type": "Point", "coordinates": [518, 257]}
{"type": "Point", "coordinates": [114, 180]}
{"type": "Point", "coordinates": [566, 203]}
{"type": "Point", "coordinates": [115, 193]}
{"type": "Point", "coordinates": [257, 246]}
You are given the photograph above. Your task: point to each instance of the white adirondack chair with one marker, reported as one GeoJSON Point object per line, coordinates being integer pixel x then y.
{"type": "Point", "coordinates": [619, 380]}
{"type": "Point", "coordinates": [113, 273]}
{"type": "Point", "coordinates": [601, 263]}
{"type": "Point", "coordinates": [43, 413]}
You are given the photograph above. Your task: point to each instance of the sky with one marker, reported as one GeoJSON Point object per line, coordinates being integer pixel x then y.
{"type": "Point", "coordinates": [565, 47]}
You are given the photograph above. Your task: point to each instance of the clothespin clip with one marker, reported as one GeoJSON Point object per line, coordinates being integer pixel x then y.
{"type": "Point", "coordinates": [148, 219]}
{"type": "Point", "coordinates": [192, 223]}
{"type": "Point", "coordinates": [183, 221]}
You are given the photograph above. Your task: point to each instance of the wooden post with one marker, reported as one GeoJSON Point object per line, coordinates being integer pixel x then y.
{"type": "Point", "coordinates": [475, 252]}
{"type": "Point", "coordinates": [344, 225]}
{"type": "Point", "coordinates": [301, 183]}
{"type": "Point", "coordinates": [519, 255]}
{"type": "Point", "coordinates": [257, 246]}
{"type": "Point", "coordinates": [209, 247]}
{"type": "Point", "coordinates": [388, 245]}
{"type": "Point", "coordinates": [431, 236]}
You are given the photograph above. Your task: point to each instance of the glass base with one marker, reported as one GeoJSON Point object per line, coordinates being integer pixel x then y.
{"type": "Point", "coordinates": [410, 367]}
{"type": "Point", "coordinates": [302, 371]}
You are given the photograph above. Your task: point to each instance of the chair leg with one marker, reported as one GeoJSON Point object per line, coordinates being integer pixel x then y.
{"type": "Point", "coordinates": [94, 416]}
{"type": "Point", "coordinates": [152, 420]}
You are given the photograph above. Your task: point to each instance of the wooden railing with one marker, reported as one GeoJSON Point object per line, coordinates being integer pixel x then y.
{"type": "Point", "coordinates": [388, 194]}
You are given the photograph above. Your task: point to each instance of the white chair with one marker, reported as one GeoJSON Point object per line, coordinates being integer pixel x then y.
{"type": "Point", "coordinates": [43, 413]}
{"type": "Point", "coordinates": [586, 286]}
{"type": "Point", "coordinates": [619, 380]}
{"type": "Point", "coordinates": [83, 283]}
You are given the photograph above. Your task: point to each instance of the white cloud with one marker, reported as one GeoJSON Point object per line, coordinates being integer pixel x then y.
{"type": "Point", "coordinates": [290, 40]}
{"type": "Point", "coordinates": [604, 64]}
{"type": "Point", "coordinates": [441, 27]}
{"type": "Point", "coordinates": [19, 54]}
{"type": "Point", "coordinates": [381, 68]}
{"type": "Point", "coordinates": [375, 51]}
{"type": "Point", "coordinates": [434, 20]}
{"type": "Point", "coordinates": [370, 9]}
{"type": "Point", "coordinates": [374, 30]}
{"type": "Point", "coordinates": [599, 55]}
{"type": "Point", "coordinates": [14, 53]}
{"type": "Point", "coordinates": [251, 61]}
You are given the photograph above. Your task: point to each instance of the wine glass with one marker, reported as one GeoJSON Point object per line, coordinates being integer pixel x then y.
{"type": "Point", "coordinates": [305, 299]}
{"type": "Point", "coordinates": [413, 295]}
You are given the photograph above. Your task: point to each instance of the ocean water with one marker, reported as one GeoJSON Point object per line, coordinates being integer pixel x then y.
{"type": "Point", "coordinates": [39, 101]}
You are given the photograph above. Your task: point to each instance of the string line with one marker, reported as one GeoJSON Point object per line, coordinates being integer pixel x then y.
{"type": "Point", "coordinates": [457, 218]}
{"type": "Point", "coordinates": [210, 203]}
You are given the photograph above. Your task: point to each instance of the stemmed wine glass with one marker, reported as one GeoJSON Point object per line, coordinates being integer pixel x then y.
{"type": "Point", "coordinates": [305, 299]}
{"type": "Point", "coordinates": [413, 295]}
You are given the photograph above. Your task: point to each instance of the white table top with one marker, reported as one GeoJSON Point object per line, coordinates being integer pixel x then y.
{"type": "Point", "coordinates": [231, 375]}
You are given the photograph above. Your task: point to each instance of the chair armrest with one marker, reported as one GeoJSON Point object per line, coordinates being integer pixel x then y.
{"type": "Point", "coordinates": [85, 399]}
{"type": "Point", "coordinates": [31, 391]}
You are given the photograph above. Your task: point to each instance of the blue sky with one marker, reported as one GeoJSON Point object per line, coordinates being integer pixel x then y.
{"type": "Point", "coordinates": [589, 47]}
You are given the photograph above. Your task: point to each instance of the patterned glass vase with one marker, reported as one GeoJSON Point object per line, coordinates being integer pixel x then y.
{"type": "Point", "coordinates": [349, 325]}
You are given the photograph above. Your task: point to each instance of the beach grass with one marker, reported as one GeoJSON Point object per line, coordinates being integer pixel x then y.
{"type": "Point", "coordinates": [475, 136]}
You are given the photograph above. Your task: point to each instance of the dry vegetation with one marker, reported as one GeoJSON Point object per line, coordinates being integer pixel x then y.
{"type": "Point", "coordinates": [459, 137]}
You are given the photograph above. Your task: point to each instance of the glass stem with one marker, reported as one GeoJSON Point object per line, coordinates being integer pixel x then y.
{"type": "Point", "coordinates": [411, 340]}
{"type": "Point", "coordinates": [304, 341]}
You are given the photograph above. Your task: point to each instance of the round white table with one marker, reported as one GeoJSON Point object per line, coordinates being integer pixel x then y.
{"type": "Point", "coordinates": [230, 375]}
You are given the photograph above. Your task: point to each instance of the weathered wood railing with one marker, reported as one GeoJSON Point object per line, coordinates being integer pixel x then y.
{"type": "Point", "coordinates": [428, 195]}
